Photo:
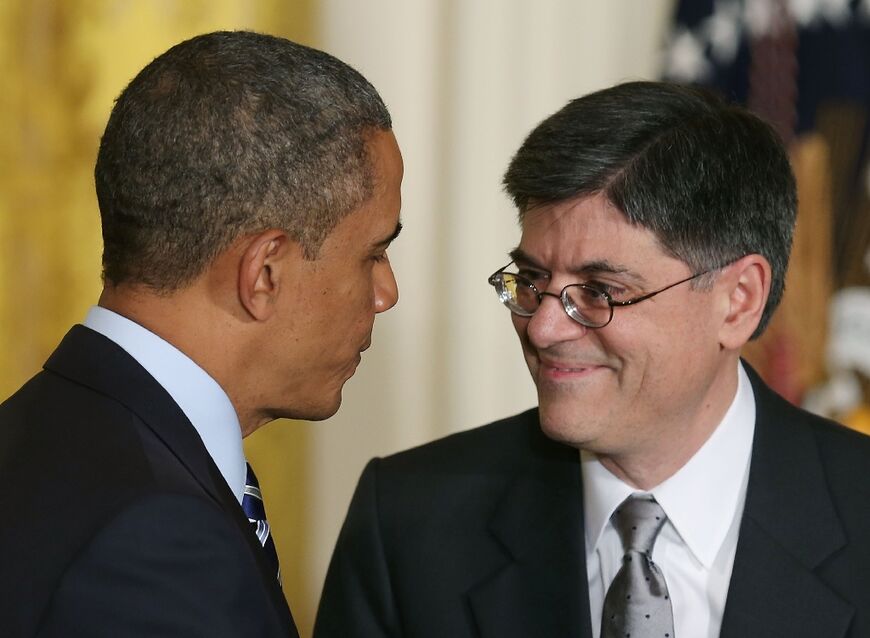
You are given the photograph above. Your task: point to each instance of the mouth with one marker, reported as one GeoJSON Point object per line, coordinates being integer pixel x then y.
{"type": "Point", "coordinates": [567, 370]}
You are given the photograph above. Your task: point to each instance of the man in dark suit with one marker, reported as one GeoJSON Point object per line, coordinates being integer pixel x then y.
{"type": "Point", "coordinates": [249, 188]}
{"type": "Point", "coordinates": [659, 488]}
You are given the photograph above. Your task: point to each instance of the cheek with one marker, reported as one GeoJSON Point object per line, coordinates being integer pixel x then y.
{"type": "Point", "coordinates": [660, 359]}
{"type": "Point", "coordinates": [354, 306]}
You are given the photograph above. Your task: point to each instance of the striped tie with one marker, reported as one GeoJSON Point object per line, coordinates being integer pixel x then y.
{"type": "Point", "coordinates": [252, 504]}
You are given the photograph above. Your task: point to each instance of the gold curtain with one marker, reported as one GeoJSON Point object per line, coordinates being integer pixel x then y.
{"type": "Point", "coordinates": [790, 355]}
{"type": "Point", "coordinates": [62, 63]}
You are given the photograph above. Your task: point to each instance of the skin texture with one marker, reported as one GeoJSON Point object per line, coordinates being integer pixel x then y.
{"type": "Point", "coordinates": [647, 390]}
{"type": "Point", "coordinates": [280, 333]}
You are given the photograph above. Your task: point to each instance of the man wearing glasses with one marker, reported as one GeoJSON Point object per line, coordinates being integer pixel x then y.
{"type": "Point", "coordinates": [659, 488]}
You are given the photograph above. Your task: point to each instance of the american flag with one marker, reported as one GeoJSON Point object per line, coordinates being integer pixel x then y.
{"type": "Point", "coordinates": [804, 65]}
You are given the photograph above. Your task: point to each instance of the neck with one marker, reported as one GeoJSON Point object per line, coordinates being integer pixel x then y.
{"type": "Point", "coordinates": [198, 328]}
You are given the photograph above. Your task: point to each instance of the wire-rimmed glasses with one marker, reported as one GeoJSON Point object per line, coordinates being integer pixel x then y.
{"type": "Point", "coordinates": [584, 303]}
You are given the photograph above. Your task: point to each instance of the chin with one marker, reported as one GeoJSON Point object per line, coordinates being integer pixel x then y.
{"type": "Point", "coordinates": [560, 427]}
{"type": "Point", "coordinates": [313, 410]}
{"type": "Point", "coordinates": [321, 412]}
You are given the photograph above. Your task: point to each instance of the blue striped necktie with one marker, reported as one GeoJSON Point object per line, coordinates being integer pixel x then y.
{"type": "Point", "coordinates": [252, 504]}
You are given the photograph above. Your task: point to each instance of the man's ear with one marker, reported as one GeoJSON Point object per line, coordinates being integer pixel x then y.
{"type": "Point", "coordinates": [263, 267]}
{"type": "Point", "coordinates": [747, 286]}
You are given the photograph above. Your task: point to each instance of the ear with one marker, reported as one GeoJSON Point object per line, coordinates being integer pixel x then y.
{"type": "Point", "coordinates": [263, 270]}
{"type": "Point", "coordinates": [746, 288]}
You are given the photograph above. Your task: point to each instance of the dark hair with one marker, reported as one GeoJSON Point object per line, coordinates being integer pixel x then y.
{"type": "Point", "coordinates": [226, 134]}
{"type": "Point", "coordinates": [709, 179]}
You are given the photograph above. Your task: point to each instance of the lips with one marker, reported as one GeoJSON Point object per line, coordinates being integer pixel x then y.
{"type": "Point", "coordinates": [568, 366]}
{"type": "Point", "coordinates": [567, 369]}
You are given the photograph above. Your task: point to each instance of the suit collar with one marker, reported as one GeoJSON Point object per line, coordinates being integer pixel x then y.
{"type": "Point", "coordinates": [541, 589]}
{"type": "Point", "coordinates": [86, 357]}
{"type": "Point", "coordinates": [203, 401]}
{"type": "Point", "coordinates": [90, 359]}
{"type": "Point", "coordinates": [789, 528]}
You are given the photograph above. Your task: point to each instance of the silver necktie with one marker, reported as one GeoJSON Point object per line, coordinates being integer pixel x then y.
{"type": "Point", "coordinates": [637, 604]}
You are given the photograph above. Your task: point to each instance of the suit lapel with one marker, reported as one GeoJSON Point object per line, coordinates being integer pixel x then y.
{"type": "Point", "coordinates": [541, 590]}
{"type": "Point", "coordinates": [87, 357]}
{"type": "Point", "coordinates": [789, 528]}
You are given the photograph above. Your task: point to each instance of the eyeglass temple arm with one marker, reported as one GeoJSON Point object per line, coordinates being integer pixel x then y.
{"type": "Point", "coordinates": [629, 302]}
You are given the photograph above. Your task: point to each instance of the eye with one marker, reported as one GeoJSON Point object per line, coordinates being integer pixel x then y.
{"type": "Point", "coordinates": [380, 257]}
{"type": "Point", "coordinates": [534, 276]}
{"type": "Point", "coordinates": [611, 290]}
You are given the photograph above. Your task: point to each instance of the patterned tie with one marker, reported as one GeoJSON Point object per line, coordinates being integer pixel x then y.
{"type": "Point", "coordinates": [252, 504]}
{"type": "Point", "coordinates": [637, 604]}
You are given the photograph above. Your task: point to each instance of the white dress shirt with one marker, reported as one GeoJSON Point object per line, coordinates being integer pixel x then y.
{"type": "Point", "coordinates": [704, 503]}
{"type": "Point", "coordinates": [198, 395]}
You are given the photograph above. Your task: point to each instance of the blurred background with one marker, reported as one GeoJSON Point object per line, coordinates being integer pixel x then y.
{"type": "Point", "coordinates": [465, 80]}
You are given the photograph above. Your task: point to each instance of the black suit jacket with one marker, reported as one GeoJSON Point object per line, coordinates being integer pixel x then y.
{"type": "Point", "coordinates": [115, 520]}
{"type": "Point", "coordinates": [481, 534]}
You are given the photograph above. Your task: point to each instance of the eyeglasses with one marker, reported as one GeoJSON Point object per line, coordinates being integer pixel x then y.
{"type": "Point", "coordinates": [584, 303]}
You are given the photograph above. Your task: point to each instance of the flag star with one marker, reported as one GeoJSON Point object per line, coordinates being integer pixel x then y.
{"type": "Point", "coordinates": [723, 31]}
{"type": "Point", "coordinates": [758, 16]}
{"type": "Point", "coordinates": [837, 12]}
{"type": "Point", "coordinates": [805, 12]}
{"type": "Point", "coordinates": [685, 61]}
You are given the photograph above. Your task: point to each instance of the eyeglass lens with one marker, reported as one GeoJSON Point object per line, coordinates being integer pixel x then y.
{"type": "Point", "coordinates": [584, 303]}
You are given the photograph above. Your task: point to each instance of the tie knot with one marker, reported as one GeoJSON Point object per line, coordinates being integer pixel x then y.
{"type": "Point", "coordinates": [638, 520]}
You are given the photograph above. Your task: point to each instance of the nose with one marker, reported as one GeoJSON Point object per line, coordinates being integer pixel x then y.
{"type": "Point", "coordinates": [551, 324]}
{"type": "Point", "coordinates": [386, 288]}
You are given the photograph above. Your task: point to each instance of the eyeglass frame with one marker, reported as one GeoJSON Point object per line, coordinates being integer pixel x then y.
{"type": "Point", "coordinates": [611, 302]}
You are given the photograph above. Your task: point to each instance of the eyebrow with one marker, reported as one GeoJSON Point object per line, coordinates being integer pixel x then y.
{"type": "Point", "coordinates": [595, 267]}
{"type": "Point", "coordinates": [386, 241]}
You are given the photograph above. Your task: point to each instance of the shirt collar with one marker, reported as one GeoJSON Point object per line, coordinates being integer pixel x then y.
{"type": "Point", "coordinates": [701, 498]}
{"type": "Point", "coordinates": [198, 395]}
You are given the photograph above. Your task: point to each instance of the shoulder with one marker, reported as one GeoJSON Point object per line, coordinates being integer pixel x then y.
{"type": "Point", "coordinates": [78, 448]}
{"type": "Point", "coordinates": [805, 456]}
{"type": "Point", "coordinates": [76, 461]}
{"type": "Point", "coordinates": [845, 453]}
{"type": "Point", "coordinates": [464, 471]}
{"type": "Point", "coordinates": [505, 445]}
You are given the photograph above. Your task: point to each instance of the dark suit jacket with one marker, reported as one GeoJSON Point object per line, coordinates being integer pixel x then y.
{"type": "Point", "coordinates": [115, 520]}
{"type": "Point", "coordinates": [481, 534]}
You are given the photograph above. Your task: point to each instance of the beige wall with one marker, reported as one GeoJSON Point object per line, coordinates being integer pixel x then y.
{"type": "Point", "coordinates": [465, 81]}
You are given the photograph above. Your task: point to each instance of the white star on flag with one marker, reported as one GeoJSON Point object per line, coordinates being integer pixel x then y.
{"type": "Point", "coordinates": [685, 59]}
{"type": "Point", "coordinates": [723, 31]}
{"type": "Point", "coordinates": [837, 12]}
{"type": "Point", "coordinates": [758, 16]}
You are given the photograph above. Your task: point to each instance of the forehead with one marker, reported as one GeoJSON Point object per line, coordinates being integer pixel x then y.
{"type": "Point", "coordinates": [587, 229]}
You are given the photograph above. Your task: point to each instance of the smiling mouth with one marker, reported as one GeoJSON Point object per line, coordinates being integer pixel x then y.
{"type": "Point", "coordinates": [561, 370]}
